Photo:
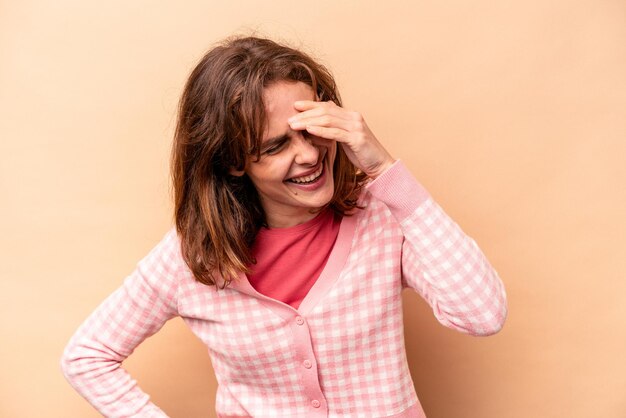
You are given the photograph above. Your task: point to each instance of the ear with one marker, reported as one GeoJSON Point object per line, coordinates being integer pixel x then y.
{"type": "Point", "coordinates": [236, 173]}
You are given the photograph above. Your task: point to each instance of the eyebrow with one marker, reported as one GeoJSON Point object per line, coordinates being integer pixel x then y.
{"type": "Point", "coordinates": [275, 141]}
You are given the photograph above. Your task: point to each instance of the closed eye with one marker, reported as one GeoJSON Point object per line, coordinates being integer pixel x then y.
{"type": "Point", "coordinates": [273, 150]}
{"type": "Point", "coordinates": [276, 145]}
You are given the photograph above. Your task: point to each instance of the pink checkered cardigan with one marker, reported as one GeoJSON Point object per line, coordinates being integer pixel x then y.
{"type": "Point", "coordinates": [341, 354]}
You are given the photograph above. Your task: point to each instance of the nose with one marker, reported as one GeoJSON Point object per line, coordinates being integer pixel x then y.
{"type": "Point", "coordinates": [306, 151]}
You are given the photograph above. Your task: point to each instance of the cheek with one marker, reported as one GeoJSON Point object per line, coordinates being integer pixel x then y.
{"type": "Point", "coordinates": [272, 169]}
{"type": "Point", "coordinates": [329, 145]}
{"type": "Point", "coordinates": [332, 152]}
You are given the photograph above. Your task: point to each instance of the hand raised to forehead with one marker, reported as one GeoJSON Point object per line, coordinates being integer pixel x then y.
{"type": "Point", "coordinates": [329, 121]}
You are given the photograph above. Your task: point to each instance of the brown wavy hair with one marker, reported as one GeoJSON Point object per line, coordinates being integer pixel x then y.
{"type": "Point", "coordinates": [221, 121]}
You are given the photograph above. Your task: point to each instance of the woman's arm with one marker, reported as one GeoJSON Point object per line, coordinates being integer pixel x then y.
{"type": "Point", "coordinates": [92, 360]}
{"type": "Point", "coordinates": [439, 261]}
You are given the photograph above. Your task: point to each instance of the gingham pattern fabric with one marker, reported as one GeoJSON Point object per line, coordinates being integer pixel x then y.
{"type": "Point", "coordinates": [341, 354]}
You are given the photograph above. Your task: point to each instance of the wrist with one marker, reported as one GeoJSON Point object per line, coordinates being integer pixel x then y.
{"type": "Point", "coordinates": [381, 168]}
{"type": "Point", "coordinates": [399, 190]}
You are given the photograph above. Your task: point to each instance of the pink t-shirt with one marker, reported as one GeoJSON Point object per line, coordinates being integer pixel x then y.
{"type": "Point", "coordinates": [290, 260]}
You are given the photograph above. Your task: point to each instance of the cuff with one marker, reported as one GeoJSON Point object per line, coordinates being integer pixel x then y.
{"type": "Point", "coordinates": [399, 190]}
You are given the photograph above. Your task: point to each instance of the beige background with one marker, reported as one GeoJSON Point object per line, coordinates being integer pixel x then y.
{"type": "Point", "coordinates": [513, 114]}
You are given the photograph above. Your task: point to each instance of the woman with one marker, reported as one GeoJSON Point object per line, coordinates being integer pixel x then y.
{"type": "Point", "coordinates": [295, 234]}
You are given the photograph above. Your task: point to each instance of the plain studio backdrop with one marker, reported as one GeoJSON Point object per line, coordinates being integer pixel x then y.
{"type": "Point", "coordinates": [512, 114]}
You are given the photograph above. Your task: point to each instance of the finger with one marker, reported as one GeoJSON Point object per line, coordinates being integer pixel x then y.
{"type": "Point", "coordinates": [335, 134]}
{"type": "Point", "coordinates": [303, 105]}
{"type": "Point", "coordinates": [324, 120]}
{"type": "Point", "coordinates": [309, 108]}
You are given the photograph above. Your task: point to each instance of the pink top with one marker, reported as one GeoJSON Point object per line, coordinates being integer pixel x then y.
{"type": "Point", "coordinates": [340, 354]}
{"type": "Point", "coordinates": [289, 260]}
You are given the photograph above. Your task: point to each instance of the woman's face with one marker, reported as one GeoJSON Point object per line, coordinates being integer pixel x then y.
{"type": "Point", "coordinates": [295, 171]}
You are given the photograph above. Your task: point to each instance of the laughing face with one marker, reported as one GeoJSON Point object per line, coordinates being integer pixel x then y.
{"type": "Point", "coordinates": [295, 171]}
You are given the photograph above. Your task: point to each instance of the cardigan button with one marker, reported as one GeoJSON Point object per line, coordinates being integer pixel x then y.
{"type": "Point", "coordinates": [315, 403]}
{"type": "Point", "coordinates": [307, 364]}
{"type": "Point", "coordinates": [299, 320]}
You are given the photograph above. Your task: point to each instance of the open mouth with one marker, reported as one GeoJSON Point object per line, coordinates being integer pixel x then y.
{"type": "Point", "coordinates": [308, 179]}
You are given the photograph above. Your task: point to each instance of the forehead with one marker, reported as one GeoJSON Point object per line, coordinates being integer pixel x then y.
{"type": "Point", "coordinates": [278, 99]}
{"type": "Point", "coordinates": [281, 95]}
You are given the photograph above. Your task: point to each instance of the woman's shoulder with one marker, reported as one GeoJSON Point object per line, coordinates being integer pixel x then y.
{"type": "Point", "coordinates": [371, 212]}
{"type": "Point", "coordinates": [163, 265]}
{"type": "Point", "coordinates": [167, 250]}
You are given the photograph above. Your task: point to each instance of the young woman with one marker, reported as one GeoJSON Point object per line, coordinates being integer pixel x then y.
{"type": "Point", "coordinates": [295, 234]}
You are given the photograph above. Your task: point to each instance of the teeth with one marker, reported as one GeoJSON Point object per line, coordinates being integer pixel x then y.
{"type": "Point", "coordinates": [309, 178]}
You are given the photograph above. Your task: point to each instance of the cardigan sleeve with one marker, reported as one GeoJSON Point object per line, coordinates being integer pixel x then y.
{"type": "Point", "coordinates": [92, 359]}
{"type": "Point", "coordinates": [439, 261]}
